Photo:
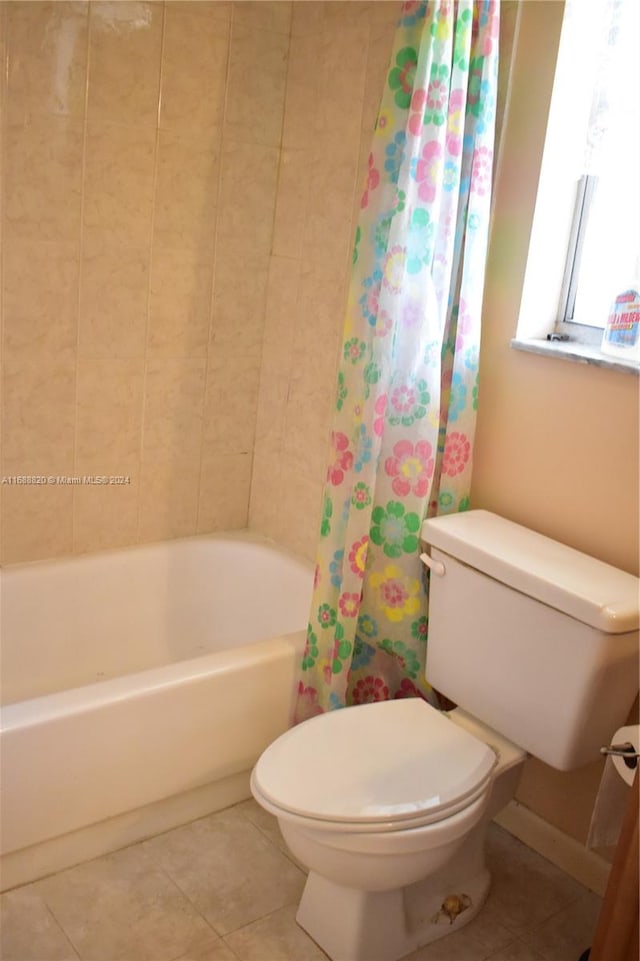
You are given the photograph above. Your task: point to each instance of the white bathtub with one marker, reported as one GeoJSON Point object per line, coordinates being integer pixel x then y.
{"type": "Point", "coordinates": [138, 689]}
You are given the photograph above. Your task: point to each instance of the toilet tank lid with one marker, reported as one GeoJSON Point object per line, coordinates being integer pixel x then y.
{"type": "Point", "coordinates": [580, 586]}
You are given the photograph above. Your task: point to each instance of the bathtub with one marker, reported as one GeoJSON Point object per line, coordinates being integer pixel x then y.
{"type": "Point", "coordinates": [138, 689]}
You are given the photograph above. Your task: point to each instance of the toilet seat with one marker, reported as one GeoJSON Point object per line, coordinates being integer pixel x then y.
{"type": "Point", "coordinates": [388, 766]}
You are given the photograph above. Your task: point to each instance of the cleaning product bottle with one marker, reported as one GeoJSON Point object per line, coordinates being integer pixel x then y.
{"type": "Point", "coordinates": [621, 336]}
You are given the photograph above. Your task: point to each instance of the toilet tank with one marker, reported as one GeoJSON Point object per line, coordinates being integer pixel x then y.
{"type": "Point", "coordinates": [534, 638]}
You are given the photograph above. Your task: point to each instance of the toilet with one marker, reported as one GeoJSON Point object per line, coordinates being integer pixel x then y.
{"type": "Point", "coordinates": [387, 804]}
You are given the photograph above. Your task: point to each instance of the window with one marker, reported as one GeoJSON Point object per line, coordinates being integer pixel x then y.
{"type": "Point", "coordinates": [585, 236]}
{"type": "Point", "coordinates": [604, 243]}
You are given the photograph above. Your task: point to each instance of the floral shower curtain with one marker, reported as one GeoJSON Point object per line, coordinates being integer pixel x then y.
{"type": "Point", "coordinates": [407, 383]}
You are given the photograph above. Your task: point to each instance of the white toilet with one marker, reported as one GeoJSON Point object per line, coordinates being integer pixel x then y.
{"type": "Point", "coordinates": [387, 804]}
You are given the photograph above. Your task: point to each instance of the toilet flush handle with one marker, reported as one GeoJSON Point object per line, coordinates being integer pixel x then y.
{"type": "Point", "coordinates": [436, 566]}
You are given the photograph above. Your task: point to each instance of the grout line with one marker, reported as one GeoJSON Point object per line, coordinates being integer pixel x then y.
{"type": "Point", "coordinates": [80, 248]}
{"type": "Point", "coordinates": [210, 336]}
{"type": "Point", "coordinates": [150, 272]}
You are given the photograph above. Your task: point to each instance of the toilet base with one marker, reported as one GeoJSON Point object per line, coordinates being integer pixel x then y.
{"type": "Point", "coordinates": [353, 925]}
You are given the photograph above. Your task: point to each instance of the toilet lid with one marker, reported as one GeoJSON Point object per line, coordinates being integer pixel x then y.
{"type": "Point", "coordinates": [388, 761]}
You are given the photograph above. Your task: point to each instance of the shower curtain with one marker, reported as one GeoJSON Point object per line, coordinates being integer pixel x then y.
{"type": "Point", "coordinates": [407, 384]}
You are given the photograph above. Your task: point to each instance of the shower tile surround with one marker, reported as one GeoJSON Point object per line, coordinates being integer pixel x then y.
{"type": "Point", "coordinates": [223, 888]}
{"type": "Point", "coordinates": [175, 255]}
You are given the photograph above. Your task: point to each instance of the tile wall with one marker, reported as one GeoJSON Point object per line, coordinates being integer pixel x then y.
{"type": "Point", "coordinates": [141, 153]}
{"type": "Point", "coordinates": [338, 58]}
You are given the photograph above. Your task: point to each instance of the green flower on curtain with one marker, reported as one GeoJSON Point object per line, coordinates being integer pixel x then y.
{"type": "Point", "coordinates": [408, 403]}
{"type": "Point", "coordinates": [419, 629]}
{"type": "Point", "coordinates": [407, 657]}
{"type": "Point", "coordinates": [341, 650]}
{"type": "Point", "coordinates": [394, 530]}
{"type": "Point", "coordinates": [371, 374]}
{"type": "Point", "coordinates": [310, 655]}
{"type": "Point", "coordinates": [402, 76]}
{"type": "Point", "coordinates": [461, 42]}
{"type": "Point", "coordinates": [465, 504]}
{"type": "Point", "coordinates": [327, 512]}
{"type": "Point", "coordinates": [419, 241]}
{"type": "Point", "coordinates": [354, 350]}
{"type": "Point", "coordinates": [361, 496]}
{"type": "Point", "coordinates": [354, 259]}
{"type": "Point", "coordinates": [446, 500]}
{"type": "Point", "coordinates": [326, 616]}
{"type": "Point", "coordinates": [400, 202]}
{"type": "Point", "coordinates": [437, 95]}
{"type": "Point", "coordinates": [474, 94]}
{"type": "Point", "coordinates": [341, 392]}
{"type": "Point", "coordinates": [474, 394]}
{"type": "Point", "coordinates": [380, 232]}
{"type": "Point", "coordinates": [441, 26]}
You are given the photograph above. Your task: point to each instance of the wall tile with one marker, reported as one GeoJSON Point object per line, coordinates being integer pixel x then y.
{"type": "Point", "coordinates": [109, 416]}
{"type": "Point", "coordinates": [294, 188]}
{"type": "Point", "coordinates": [254, 108]}
{"type": "Point", "coordinates": [48, 76]}
{"type": "Point", "coordinates": [327, 232]}
{"type": "Point", "coordinates": [168, 501]}
{"type": "Point", "coordinates": [179, 303]}
{"type": "Point", "coordinates": [187, 190]}
{"type": "Point", "coordinates": [43, 180]}
{"type": "Point", "coordinates": [266, 494]}
{"type": "Point", "coordinates": [39, 413]}
{"type": "Point", "coordinates": [124, 71]}
{"type": "Point", "coordinates": [231, 403]}
{"type": "Point", "coordinates": [304, 87]}
{"type": "Point", "coordinates": [299, 522]}
{"type": "Point", "coordinates": [40, 297]}
{"type": "Point", "coordinates": [105, 517]}
{"type": "Point", "coordinates": [225, 483]}
{"type": "Point", "coordinates": [37, 521]}
{"type": "Point", "coordinates": [239, 292]}
{"type": "Point", "coordinates": [174, 397]}
{"type": "Point", "coordinates": [267, 16]}
{"type": "Point", "coordinates": [218, 9]}
{"type": "Point", "coordinates": [113, 301]}
{"type": "Point", "coordinates": [247, 195]}
{"type": "Point", "coordinates": [119, 184]}
{"type": "Point", "coordinates": [194, 68]}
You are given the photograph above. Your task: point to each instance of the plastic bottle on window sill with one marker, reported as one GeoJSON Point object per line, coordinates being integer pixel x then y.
{"type": "Point", "coordinates": [622, 331]}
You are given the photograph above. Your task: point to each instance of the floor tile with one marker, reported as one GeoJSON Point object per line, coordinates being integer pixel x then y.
{"type": "Point", "coordinates": [268, 824]}
{"type": "Point", "coordinates": [519, 951]}
{"type": "Point", "coordinates": [122, 907]}
{"type": "Point", "coordinates": [528, 889]}
{"type": "Point", "coordinates": [227, 868]}
{"type": "Point", "coordinates": [462, 945]}
{"type": "Point", "coordinates": [275, 938]}
{"type": "Point", "coordinates": [569, 932]}
{"type": "Point", "coordinates": [29, 932]}
{"type": "Point", "coordinates": [215, 950]}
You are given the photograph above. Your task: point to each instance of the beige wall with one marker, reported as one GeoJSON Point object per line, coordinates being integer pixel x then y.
{"type": "Point", "coordinates": [557, 442]}
{"type": "Point", "coordinates": [140, 168]}
{"type": "Point", "coordinates": [330, 111]}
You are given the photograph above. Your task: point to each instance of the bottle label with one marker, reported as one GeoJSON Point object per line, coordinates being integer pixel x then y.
{"type": "Point", "coordinates": [623, 323]}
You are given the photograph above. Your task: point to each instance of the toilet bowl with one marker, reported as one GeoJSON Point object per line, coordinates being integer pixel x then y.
{"type": "Point", "coordinates": [394, 814]}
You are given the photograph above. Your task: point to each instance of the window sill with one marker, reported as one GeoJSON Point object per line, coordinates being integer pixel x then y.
{"type": "Point", "coordinates": [578, 353]}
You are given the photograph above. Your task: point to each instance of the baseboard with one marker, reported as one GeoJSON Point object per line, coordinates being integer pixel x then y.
{"type": "Point", "coordinates": [565, 852]}
{"type": "Point", "coordinates": [56, 854]}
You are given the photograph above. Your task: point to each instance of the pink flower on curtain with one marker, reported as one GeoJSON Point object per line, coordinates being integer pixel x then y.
{"type": "Point", "coordinates": [411, 467]}
{"type": "Point", "coordinates": [426, 170]}
{"type": "Point", "coordinates": [370, 689]}
{"type": "Point", "coordinates": [380, 408]}
{"type": "Point", "coordinates": [343, 461]}
{"type": "Point", "coordinates": [373, 179]}
{"type": "Point", "coordinates": [308, 697]}
{"type": "Point", "coordinates": [465, 324]}
{"type": "Point", "coordinates": [416, 116]}
{"type": "Point", "coordinates": [349, 604]}
{"type": "Point", "coordinates": [457, 451]}
{"type": "Point", "coordinates": [482, 166]}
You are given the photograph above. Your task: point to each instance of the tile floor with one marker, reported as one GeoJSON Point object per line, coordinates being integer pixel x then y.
{"type": "Point", "coordinates": [222, 888]}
